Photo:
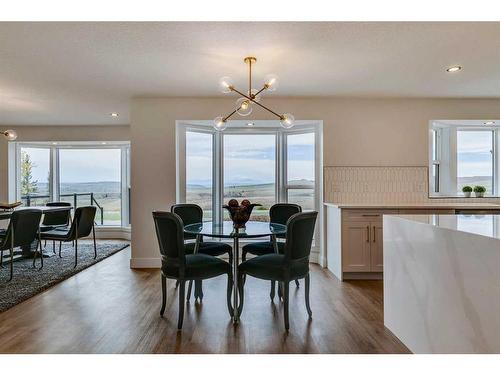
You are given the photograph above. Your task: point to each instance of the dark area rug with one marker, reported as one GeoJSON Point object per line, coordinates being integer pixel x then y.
{"type": "Point", "coordinates": [29, 281]}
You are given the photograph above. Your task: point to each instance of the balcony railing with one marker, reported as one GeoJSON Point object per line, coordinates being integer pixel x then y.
{"type": "Point", "coordinates": [29, 199]}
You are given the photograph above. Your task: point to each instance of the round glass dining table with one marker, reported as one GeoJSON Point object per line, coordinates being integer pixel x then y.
{"type": "Point", "coordinates": [253, 229]}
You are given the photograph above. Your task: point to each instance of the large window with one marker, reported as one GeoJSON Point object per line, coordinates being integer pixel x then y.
{"type": "Point", "coordinates": [463, 153]}
{"type": "Point", "coordinates": [264, 163]}
{"type": "Point", "coordinates": [475, 159]}
{"type": "Point", "coordinates": [250, 171]}
{"type": "Point", "coordinates": [80, 173]}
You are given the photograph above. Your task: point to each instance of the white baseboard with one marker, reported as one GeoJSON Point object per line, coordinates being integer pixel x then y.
{"type": "Point", "coordinates": [113, 233]}
{"type": "Point", "coordinates": [145, 262]}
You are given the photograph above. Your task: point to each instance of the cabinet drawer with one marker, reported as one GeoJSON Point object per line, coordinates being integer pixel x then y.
{"type": "Point", "coordinates": [364, 215]}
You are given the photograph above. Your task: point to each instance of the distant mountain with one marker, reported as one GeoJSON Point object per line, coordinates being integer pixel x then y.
{"type": "Point", "coordinates": [85, 187]}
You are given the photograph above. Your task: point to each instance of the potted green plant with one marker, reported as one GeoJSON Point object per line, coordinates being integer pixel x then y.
{"type": "Point", "coordinates": [467, 190]}
{"type": "Point", "coordinates": [479, 191]}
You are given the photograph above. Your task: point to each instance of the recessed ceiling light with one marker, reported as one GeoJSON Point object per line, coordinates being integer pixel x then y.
{"type": "Point", "coordinates": [114, 114]}
{"type": "Point", "coordinates": [453, 69]}
{"type": "Point", "coordinates": [250, 124]}
{"type": "Point", "coordinates": [489, 123]}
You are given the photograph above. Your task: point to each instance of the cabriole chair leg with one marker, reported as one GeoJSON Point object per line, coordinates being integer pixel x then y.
{"type": "Point", "coordinates": [241, 290]}
{"type": "Point", "coordinates": [60, 244]}
{"type": "Point", "coordinates": [95, 247]}
{"type": "Point", "coordinates": [273, 288]}
{"type": "Point", "coordinates": [308, 306]}
{"type": "Point", "coordinates": [182, 295]}
{"type": "Point", "coordinates": [297, 283]}
{"type": "Point", "coordinates": [190, 286]}
{"type": "Point", "coordinates": [76, 253]}
{"type": "Point", "coordinates": [286, 288]}
{"type": "Point", "coordinates": [163, 294]}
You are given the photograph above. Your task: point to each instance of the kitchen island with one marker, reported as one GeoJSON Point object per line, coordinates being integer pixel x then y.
{"type": "Point", "coordinates": [354, 232]}
{"type": "Point", "coordinates": [442, 282]}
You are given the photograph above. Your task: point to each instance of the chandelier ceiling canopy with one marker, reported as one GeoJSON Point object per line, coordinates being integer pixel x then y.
{"type": "Point", "coordinates": [244, 104]}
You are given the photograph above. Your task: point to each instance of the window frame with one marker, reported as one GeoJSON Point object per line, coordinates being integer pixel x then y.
{"type": "Point", "coordinates": [260, 127]}
{"type": "Point", "coordinates": [54, 170]}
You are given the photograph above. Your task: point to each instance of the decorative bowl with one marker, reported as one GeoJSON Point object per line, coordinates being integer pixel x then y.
{"type": "Point", "coordinates": [240, 213]}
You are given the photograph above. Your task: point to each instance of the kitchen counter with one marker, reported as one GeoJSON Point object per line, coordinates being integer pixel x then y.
{"type": "Point", "coordinates": [426, 205]}
{"type": "Point", "coordinates": [441, 283]}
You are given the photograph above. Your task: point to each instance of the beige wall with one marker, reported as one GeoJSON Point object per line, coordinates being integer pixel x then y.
{"type": "Point", "coordinates": [357, 132]}
{"type": "Point", "coordinates": [56, 133]}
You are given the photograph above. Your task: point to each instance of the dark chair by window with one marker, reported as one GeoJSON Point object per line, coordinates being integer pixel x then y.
{"type": "Point", "coordinates": [82, 226]}
{"type": "Point", "coordinates": [23, 230]}
{"type": "Point", "coordinates": [278, 213]}
{"type": "Point", "coordinates": [56, 219]}
{"type": "Point", "coordinates": [293, 264]}
{"type": "Point", "coordinates": [191, 214]}
{"type": "Point", "coordinates": [179, 265]}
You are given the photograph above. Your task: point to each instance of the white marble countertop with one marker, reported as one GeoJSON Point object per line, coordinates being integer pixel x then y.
{"type": "Point", "coordinates": [483, 225]}
{"type": "Point", "coordinates": [426, 205]}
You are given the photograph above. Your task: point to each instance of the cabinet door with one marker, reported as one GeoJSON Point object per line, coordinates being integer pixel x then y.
{"type": "Point", "coordinates": [376, 248]}
{"type": "Point", "coordinates": [356, 247]}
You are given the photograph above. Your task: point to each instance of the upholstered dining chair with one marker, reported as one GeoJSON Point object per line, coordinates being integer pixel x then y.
{"type": "Point", "coordinates": [82, 226]}
{"type": "Point", "coordinates": [56, 219]}
{"type": "Point", "coordinates": [292, 264]}
{"type": "Point", "coordinates": [183, 266]}
{"type": "Point", "coordinates": [192, 214]}
{"type": "Point", "coordinates": [23, 230]}
{"type": "Point", "coordinates": [278, 213]}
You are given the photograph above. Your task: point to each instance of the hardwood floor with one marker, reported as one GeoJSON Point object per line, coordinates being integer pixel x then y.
{"type": "Point", "coordinates": [110, 308]}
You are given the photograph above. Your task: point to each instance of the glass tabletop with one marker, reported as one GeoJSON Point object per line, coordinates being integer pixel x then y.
{"type": "Point", "coordinates": [226, 230]}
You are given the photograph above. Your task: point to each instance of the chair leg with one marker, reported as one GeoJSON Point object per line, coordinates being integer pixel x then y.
{"type": "Point", "coordinates": [243, 256]}
{"type": "Point", "coordinates": [45, 244]}
{"type": "Point", "coordinates": [34, 256]}
{"type": "Point", "coordinates": [285, 307]}
{"type": "Point", "coordinates": [1, 259]}
{"type": "Point", "coordinates": [273, 287]}
{"type": "Point", "coordinates": [41, 252]}
{"type": "Point", "coordinates": [297, 283]}
{"type": "Point", "coordinates": [182, 296]}
{"type": "Point", "coordinates": [95, 247]}
{"type": "Point", "coordinates": [230, 253]}
{"type": "Point", "coordinates": [76, 253]}
{"type": "Point", "coordinates": [60, 244]}
{"type": "Point", "coordinates": [176, 283]}
{"type": "Point", "coordinates": [54, 246]}
{"type": "Point", "coordinates": [189, 290]}
{"type": "Point", "coordinates": [11, 263]}
{"type": "Point", "coordinates": [163, 294]}
{"type": "Point", "coordinates": [308, 306]}
{"type": "Point", "coordinates": [241, 289]}
{"type": "Point", "coordinates": [229, 293]}
{"type": "Point", "coordinates": [280, 290]}
{"type": "Point", "coordinates": [198, 290]}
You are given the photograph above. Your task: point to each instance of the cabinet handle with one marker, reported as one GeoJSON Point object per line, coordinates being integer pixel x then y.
{"type": "Point", "coordinates": [374, 233]}
{"type": "Point", "coordinates": [370, 215]}
{"type": "Point", "coordinates": [367, 233]}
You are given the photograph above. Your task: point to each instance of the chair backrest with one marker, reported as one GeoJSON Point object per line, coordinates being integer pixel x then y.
{"type": "Point", "coordinates": [189, 214]}
{"type": "Point", "coordinates": [25, 224]}
{"type": "Point", "coordinates": [57, 217]}
{"type": "Point", "coordinates": [280, 213]}
{"type": "Point", "coordinates": [84, 219]}
{"type": "Point", "coordinates": [299, 235]}
{"type": "Point", "coordinates": [170, 234]}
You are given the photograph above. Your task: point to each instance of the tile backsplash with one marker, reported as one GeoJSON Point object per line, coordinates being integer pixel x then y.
{"type": "Point", "coordinates": [390, 185]}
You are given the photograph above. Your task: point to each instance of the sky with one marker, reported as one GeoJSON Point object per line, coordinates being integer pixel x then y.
{"type": "Point", "coordinates": [248, 159]}
{"type": "Point", "coordinates": [90, 165]}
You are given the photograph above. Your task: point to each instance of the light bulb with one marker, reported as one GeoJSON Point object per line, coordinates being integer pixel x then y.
{"type": "Point", "coordinates": [10, 134]}
{"type": "Point", "coordinates": [225, 84]}
{"type": "Point", "coordinates": [271, 82]}
{"type": "Point", "coordinates": [253, 92]}
{"type": "Point", "coordinates": [287, 121]}
{"type": "Point", "coordinates": [219, 123]}
{"type": "Point", "coordinates": [244, 107]}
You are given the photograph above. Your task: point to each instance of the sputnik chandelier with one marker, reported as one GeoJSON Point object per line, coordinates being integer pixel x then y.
{"type": "Point", "coordinates": [253, 96]}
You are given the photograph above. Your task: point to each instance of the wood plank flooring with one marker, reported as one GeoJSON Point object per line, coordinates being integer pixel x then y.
{"type": "Point", "coordinates": [110, 308]}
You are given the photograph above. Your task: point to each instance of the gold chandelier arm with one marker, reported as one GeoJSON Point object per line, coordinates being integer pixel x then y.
{"type": "Point", "coordinates": [229, 115]}
{"type": "Point", "coordinates": [260, 105]}
{"type": "Point", "coordinates": [262, 89]}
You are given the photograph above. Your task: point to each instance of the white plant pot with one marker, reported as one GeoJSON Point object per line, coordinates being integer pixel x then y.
{"type": "Point", "coordinates": [466, 194]}
{"type": "Point", "coordinates": [479, 195]}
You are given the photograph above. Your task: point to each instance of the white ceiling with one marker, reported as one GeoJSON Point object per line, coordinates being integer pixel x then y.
{"type": "Point", "coordinates": [78, 73]}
